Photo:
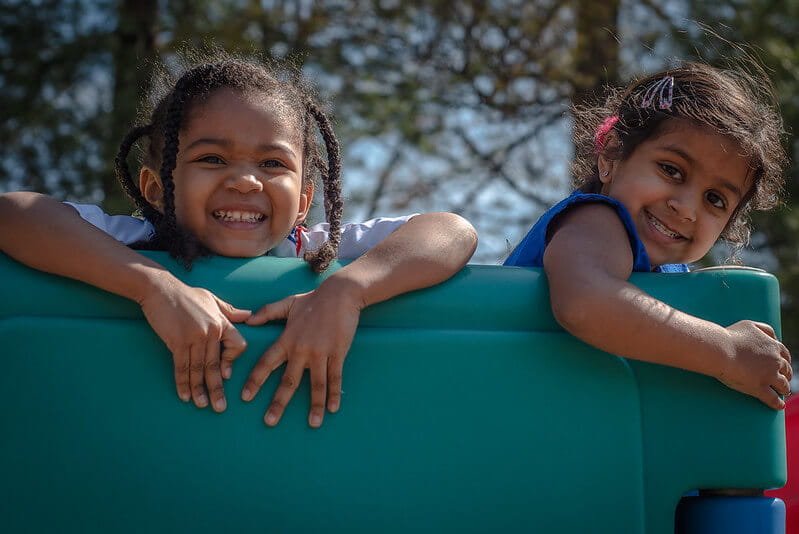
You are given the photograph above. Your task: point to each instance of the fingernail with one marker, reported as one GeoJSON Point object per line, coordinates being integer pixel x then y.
{"type": "Point", "coordinates": [220, 405]}
{"type": "Point", "coordinates": [226, 372]}
{"type": "Point", "coordinates": [185, 397]}
{"type": "Point", "coordinates": [333, 406]}
{"type": "Point", "coordinates": [203, 400]}
{"type": "Point", "coordinates": [316, 420]}
{"type": "Point", "coordinates": [246, 394]}
{"type": "Point", "coordinates": [271, 418]}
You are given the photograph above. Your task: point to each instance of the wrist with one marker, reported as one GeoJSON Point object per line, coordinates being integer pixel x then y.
{"type": "Point", "coordinates": [725, 349]}
{"type": "Point", "coordinates": [149, 281]}
{"type": "Point", "coordinates": [345, 286]}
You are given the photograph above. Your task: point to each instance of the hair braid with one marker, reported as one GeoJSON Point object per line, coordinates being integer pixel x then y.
{"type": "Point", "coordinates": [169, 152]}
{"type": "Point", "coordinates": [180, 243]}
{"type": "Point", "coordinates": [320, 258]}
{"type": "Point", "coordinates": [122, 172]}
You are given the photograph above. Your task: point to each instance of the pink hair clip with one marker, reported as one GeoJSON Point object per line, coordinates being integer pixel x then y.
{"type": "Point", "coordinates": [603, 130]}
{"type": "Point", "coordinates": [663, 89]}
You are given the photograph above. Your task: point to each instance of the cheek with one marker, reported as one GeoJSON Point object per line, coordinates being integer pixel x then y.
{"type": "Point", "coordinates": [714, 229]}
{"type": "Point", "coordinates": [189, 208]}
{"type": "Point", "coordinates": [285, 194]}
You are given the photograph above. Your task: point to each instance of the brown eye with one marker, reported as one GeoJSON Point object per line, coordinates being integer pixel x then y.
{"type": "Point", "coordinates": [273, 163]}
{"type": "Point", "coordinates": [672, 171]}
{"type": "Point", "coordinates": [716, 200]}
{"type": "Point", "coordinates": [213, 160]}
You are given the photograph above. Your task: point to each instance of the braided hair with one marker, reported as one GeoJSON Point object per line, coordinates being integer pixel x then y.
{"type": "Point", "coordinates": [169, 116]}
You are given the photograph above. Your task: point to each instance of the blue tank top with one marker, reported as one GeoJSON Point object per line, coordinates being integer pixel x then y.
{"type": "Point", "coordinates": [530, 252]}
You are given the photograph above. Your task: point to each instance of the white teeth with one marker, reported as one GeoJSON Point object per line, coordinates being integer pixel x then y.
{"type": "Point", "coordinates": [239, 216]}
{"type": "Point", "coordinates": [662, 229]}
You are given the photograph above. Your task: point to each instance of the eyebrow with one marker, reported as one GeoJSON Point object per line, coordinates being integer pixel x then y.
{"type": "Point", "coordinates": [726, 184]}
{"type": "Point", "coordinates": [226, 144]}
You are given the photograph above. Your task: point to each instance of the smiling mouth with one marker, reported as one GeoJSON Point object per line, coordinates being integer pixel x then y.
{"type": "Point", "coordinates": [662, 228]}
{"type": "Point", "coordinates": [239, 216]}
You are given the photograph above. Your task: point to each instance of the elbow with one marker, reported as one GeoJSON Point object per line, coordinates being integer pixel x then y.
{"type": "Point", "coordinates": [11, 204]}
{"type": "Point", "coordinates": [18, 200]}
{"type": "Point", "coordinates": [571, 313]}
{"type": "Point", "coordinates": [460, 233]}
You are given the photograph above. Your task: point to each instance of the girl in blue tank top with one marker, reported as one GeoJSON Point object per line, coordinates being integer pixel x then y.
{"type": "Point", "coordinates": [664, 169]}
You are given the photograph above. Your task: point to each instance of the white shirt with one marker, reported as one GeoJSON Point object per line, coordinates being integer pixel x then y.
{"type": "Point", "coordinates": [356, 238]}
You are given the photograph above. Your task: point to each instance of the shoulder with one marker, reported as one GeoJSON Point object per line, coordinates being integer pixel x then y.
{"type": "Point", "coordinates": [356, 238]}
{"type": "Point", "coordinates": [589, 218]}
{"type": "Point", "coordinates": [124, 228]}
{"type": "Point", "coordinates": [588, 243]}
{"type": "Point", "coordinates": [530, 252]}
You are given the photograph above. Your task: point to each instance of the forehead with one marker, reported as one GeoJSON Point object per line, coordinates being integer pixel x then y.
{"type": "Point", "coordinates": [246, 112]}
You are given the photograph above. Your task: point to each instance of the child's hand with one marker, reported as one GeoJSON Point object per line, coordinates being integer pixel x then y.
{"type": "Point", "coordinates": [758, 365]}
{"type": "Point", "coordinates": [319, 330]}
{"type": "Point", "coordinates": [193, 323]}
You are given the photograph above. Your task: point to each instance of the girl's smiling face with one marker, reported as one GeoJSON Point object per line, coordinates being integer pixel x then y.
{"type": "Point", "coordinates": [681, 187]}
{"type": "Point", "coordinates": [238, 174]}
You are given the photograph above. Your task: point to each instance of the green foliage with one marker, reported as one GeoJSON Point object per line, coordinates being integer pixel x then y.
{"type": "Point", "coordinates": [54, 72]}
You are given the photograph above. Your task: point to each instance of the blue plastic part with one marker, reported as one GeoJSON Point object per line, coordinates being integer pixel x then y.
{"type": "Point", "coordinates": [730, 515]}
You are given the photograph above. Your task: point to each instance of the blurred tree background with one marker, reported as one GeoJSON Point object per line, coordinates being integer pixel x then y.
{"type": "Point", "coordinates": [460, 106]}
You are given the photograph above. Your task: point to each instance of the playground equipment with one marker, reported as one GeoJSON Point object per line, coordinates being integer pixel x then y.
{"type": "Point", "coordinates": [466, 408]}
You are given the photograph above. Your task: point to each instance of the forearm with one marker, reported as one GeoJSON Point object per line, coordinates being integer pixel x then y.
{"type": "Point", "coordinates": [619, 318]}
{"type": "Point", "coordinates": [50, 236]}
{"type": "Point", "coordinates": [423, 252]}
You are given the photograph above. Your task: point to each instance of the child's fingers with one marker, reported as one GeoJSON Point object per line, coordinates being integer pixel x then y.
{"type": "Point", "coordinates": [233, 314]}
{"type": "Point", "coordinates": [785, 369]}
{"type": "Point", "coordinates": [335, 367]}
{"type": "Point", "coordinates": [197, 376]}
{"type": "Point", "coordinates": [271, 311]}
{"type": "Point", "coordinates": [288, 385]}
{"type": "Point", "coordinates": [318, 392]}
{"type": "Point", "coordinates": [213, 377]}
{"type": "Point", "coordinates": [271, 360]}
{"type": "Point", "coordinates": [786, 354]}
{"type": "Point", "coordinates": [181, 361]}
{"type": "Point", "coordinates": [233, 344]}
{"type": "Point", "coordinates": [766, 328]}
{"type": "Point", "coordinates": [782, 386]}
{"type": "Point", "coordinates": [771, 399]}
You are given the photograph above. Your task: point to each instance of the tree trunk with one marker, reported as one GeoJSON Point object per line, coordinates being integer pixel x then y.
{"type": "Point", "coordinates": [596, 55]}
{"type": "Point", "coordinates": [134, 49]}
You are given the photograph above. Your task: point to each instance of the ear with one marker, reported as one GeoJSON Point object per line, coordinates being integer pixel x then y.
{"type": "Point", "coordinates": [151, 188]}
{"type": "Point", "coordinates": [605, 164]}
{"type": "Point", "coordinates": [605, 167]}
{"type": "Point", "coordinates": [306, 197]}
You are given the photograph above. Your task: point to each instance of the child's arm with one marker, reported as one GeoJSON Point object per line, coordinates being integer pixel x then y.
{"type": "Point", "coordinates": [426, 250]}
{"type": "Point", "coordinates": [50, 236]}
{"type": "Point", "coordinates": [588, 261]}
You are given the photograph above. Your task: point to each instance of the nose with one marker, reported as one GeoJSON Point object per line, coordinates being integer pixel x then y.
{"type": "Point", "coordinates": [684, 206]}
{"type": "Point", "coordinates": [244, 182]}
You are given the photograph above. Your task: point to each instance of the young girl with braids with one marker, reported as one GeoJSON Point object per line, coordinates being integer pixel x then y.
{"type": "Point", "coordinates": [668, 166]}
{"type": "Point", "coordinates": [229, 169]}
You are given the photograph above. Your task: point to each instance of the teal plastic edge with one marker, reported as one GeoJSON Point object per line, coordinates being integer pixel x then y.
{"type": "Point", "coordinates": [479, 297]}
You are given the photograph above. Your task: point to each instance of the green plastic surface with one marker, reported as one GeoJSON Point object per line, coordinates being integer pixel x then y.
{"type": "Point", "coordinates": [466, 408]}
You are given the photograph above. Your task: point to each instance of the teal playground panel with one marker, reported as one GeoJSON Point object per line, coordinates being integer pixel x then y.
{"type": "Point", "coordinates": [466, 408]}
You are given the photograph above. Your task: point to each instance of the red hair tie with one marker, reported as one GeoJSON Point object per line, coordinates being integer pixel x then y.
{"type": "Point", "coordinates": [602, 132]}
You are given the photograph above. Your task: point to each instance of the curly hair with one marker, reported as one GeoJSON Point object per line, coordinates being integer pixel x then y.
{"type": "Point", "coordinates": [731, 102]}
{"type": "Point", "coordinates": [282, 85]}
